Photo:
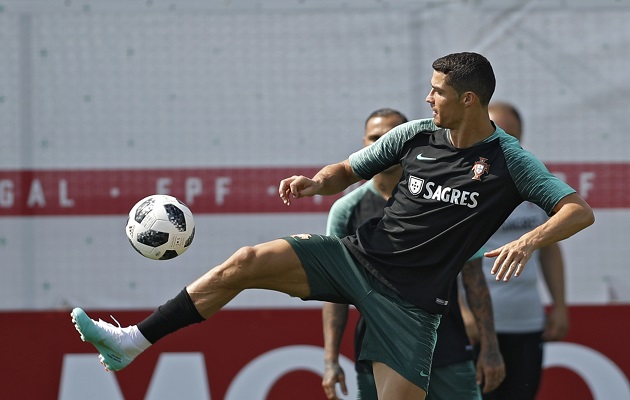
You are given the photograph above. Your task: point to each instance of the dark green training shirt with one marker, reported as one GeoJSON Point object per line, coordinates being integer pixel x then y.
{"type": "Point", "coordinates": [447, 204]}
{"type": "Point", "coordinates": [346, 215]}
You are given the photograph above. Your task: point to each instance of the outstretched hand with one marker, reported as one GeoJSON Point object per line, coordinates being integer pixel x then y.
{"type": "Point", "coordinates": [296, 187]}
{"type": "Point", "coordinates": [511, 259]}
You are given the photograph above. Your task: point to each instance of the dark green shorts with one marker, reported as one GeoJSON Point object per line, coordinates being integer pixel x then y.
{"type": "Point", "coordinates": [454, 382]}
{"type": "Point", "coordinates": [399, 334]}
{"type": "Point", "coordinates": [366, 387]}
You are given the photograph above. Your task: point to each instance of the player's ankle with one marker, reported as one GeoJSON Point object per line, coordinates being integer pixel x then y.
{"type": "Point", "coordinates": [137, 338]}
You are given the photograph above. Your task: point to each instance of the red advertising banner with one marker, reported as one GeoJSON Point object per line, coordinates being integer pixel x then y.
{"type": "Point", "coordinates": [110, 192]}
{"type": "Point", "coordinates": [593, 361]}
{"type": "Point", "coordinates": [265, 354]}
{"type": "Point", "coordinates": [229, 190]}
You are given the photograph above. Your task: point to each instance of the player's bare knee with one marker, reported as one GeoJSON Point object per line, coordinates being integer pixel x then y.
{"type": "Point", "coordinates": [244, 257]}
{"type": "Point", "coordinates": [238, 268]}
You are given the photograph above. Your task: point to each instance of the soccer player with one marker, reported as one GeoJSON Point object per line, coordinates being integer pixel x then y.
{"type": "Point", "coordinates": [462, 177]}
{"type": "Point", "coordinates": [522, 326]}
{"type": "Point", "coordinates": [453, 375]}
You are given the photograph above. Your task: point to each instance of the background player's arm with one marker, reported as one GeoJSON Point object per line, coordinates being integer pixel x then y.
{"type": "Point", "coordinates": [467, 316]}
{"type": "Point", "coordinates": [330, 180]}
{"type": "Point", "coordinates": [490, 367]}
{"type": "Point", "coordinates": [552, 266]}
{"type": "Point", "coordinates": [572, 214]}
{"type": "Point", "coordinates": [334, 318]}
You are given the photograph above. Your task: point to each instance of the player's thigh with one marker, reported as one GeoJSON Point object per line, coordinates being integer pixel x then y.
{"type": "Point", "coordinates": [456, 381]}
{"type": "Point", "coordinates": [399, 334]}
{"type": "Point", "coordinates": [272, 265]}
{"type": "Point", "coordinates": [333, 274]}
{"type": "Point", "coordinates": [391, 385]}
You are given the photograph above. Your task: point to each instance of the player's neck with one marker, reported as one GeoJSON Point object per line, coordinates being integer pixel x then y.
{"type": "Point", "coordinates": [471, 132]}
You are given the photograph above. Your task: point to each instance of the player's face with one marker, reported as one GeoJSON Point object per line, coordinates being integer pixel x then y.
{"type": "Point", "coordinates": [377, 127]}
{"type": "Point", "coordinates": [445, 102]}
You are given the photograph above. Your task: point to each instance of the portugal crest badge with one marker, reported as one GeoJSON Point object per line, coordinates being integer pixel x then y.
{"type": "Point", "coordinates": [415, 185]}
{"type": "Point", "coordinates": [481, 167]}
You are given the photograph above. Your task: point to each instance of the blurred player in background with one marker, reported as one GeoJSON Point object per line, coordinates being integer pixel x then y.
{"type": "Point", "coordinates": [453, 375]}
{"type": "Point", "coordinates": [519, 314]}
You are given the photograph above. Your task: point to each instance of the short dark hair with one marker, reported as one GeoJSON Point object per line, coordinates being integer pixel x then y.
{"type": "Point", "coordinates": [468, 72]}
{"type": "Point", "coordinates": [387, 112]}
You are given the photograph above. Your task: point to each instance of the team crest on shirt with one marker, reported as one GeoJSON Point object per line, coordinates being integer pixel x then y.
{"type": "Point", "coordinates": [481, 167]}
{"type": "Point", "coordinates": [415, 184]}
{"type": "Point", "coordinates": [303, 236]}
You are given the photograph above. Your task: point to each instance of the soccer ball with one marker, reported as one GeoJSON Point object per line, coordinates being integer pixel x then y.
{"type": "Point", "coordinates": [160, 227]}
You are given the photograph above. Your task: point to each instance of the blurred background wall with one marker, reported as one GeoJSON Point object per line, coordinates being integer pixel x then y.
{"type": "Point", "coordinates": [101, 99]}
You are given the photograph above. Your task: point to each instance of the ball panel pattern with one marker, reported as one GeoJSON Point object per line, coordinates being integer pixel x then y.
{"type": "Point", "coordinates": [190, 238]}
{"type": "Point", "coordinates": [168, 254]}
{"type": "Point", "coordinates": [176, 216]}
{"type": "Point", "coordinates": [143, 209]}
{"type": "Point", "coordinates": [152, 238]}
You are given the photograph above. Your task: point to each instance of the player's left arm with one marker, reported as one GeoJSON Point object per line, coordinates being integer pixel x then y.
{"type": "Point", "coordinates": [571, 215]}
{"type": "Point", "coordinates": [552, 265]}
{"type": "Point", "coordinates": [490, 366]}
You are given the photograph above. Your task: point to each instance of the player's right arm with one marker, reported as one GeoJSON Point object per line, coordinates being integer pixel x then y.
{"type": "Point", "coordinates": [334, 318]}
{"type": "Point", "coordinates": [330, 180]}
{"type": "Point", "coordinates": [363, 164]}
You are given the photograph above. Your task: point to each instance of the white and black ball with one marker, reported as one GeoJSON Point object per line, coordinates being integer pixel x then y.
{"type": "Point", "coordinates": [160, 227]}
